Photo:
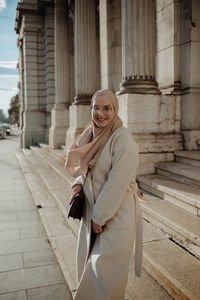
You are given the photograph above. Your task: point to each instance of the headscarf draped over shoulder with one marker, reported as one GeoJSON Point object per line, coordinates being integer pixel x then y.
{"type": "Point", "coordinates": [87, 147]}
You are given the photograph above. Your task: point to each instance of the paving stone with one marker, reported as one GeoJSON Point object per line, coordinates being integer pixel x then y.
{"type": "Point", "coordinates": [10, 179]}
{"type": "Point", "coordinates": [26, 202]}
{"type": "Point", "coordinates": [10, 262]}
{"type": "Point", "coordinates": [14, 208]}
{"type": "Point", "coordinates": [18, 224]}
{"type": "Point", "coordinates": [9, 235]}
{"type": "Point", "coordinates": [14, 296]}
{"type": "Point", "coordinates": [53, 292]}
{"type": "Point", "coordinates": [38, 258]}
{"type": "Point", "coordinates": [27, 261]}
{"type": "Point", "coordinates": [29, 214]}
{"type": "Point", "coordinates": [18, 246]}
{"type": "Point", "coordinates": [30, 278]}
{"type": "Point", "coordinates": [9, 216]}
{"type": "Point", "coordinates": [14, 188]}
{"type": "Point", "coordinates": [7, 203]}
{"type": "Point", "coordinates": [37, 231]}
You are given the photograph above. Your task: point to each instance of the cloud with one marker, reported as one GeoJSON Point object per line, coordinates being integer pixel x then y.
{"type": "Point", "coordinates": [11, 89]}
{"type": "Point", "coordinates": [2, 4]}
{"type": "Point", "coordinates": [8, 64]}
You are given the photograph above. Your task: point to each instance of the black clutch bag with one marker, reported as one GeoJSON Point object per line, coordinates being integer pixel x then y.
{"type": "Point", "coordinates": [77, 206]}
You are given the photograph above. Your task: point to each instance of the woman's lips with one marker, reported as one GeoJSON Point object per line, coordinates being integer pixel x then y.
{"type": "Point", "coordinates": [101, 119]}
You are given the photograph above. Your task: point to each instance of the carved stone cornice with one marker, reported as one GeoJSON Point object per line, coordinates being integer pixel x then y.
{"type": "Point", "coordinates": [25, 8]}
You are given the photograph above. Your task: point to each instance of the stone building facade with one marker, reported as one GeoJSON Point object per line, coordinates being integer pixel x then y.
{"type": "Point", "coordinates": [146, 51]}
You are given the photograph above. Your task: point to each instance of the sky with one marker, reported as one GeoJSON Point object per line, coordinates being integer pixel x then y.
{"type": "Point", "coordinates": [9, 53]}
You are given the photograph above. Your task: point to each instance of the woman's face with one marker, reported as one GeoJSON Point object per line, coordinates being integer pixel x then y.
{"type": "Point", "coordinates": [102, 111]}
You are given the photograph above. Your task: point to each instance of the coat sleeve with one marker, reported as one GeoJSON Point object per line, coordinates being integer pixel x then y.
{"type": "Point", "coordinates": [125, 158]}
{"type": "Point", "coordinates": [78, 180]}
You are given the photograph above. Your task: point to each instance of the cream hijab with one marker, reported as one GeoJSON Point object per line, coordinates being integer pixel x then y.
{"type": "Point", "coordinates": [85, 150]}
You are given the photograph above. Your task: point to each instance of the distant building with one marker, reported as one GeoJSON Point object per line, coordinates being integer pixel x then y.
{"type": "Point", "coordinates": [2, 116]}
{"type": "Point", "coordinates": [148, 52]}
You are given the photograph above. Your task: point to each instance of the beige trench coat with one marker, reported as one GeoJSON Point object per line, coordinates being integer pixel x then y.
{"type": "Point", "coordinates": [111, 202]}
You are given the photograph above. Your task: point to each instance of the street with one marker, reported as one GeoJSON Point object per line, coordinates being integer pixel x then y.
{"type": "Point", "coordinates": [28, 267]}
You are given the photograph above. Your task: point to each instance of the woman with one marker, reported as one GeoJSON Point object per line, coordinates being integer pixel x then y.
{"type": "Point", "coordinates": [104, 159]}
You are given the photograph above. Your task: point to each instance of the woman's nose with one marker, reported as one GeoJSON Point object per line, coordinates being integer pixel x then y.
{"type": "Point", "coordinates": [100, 111]}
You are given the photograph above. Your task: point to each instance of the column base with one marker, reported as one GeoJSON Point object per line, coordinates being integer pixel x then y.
{"type": "Point", "coordinates": [82, 99]}
{"type": "Point", "coordinates": [191, 139]}
{"type": "Point", "coordinates": [80, 116]}
{"type": "Point", "coordinates": [190, 118]}
{"type": "Point", "coordinates": [148, 161]}
{"type": "Point", "coordinates": [171, 89]}
{"type": "Point", "coordinates": [33, 130]}
{"type": "Point", "coordinates": [59, 125]}
{"type": "Point", "coordinates": [154, 121]}
{"type": "Point", "coordinates": [138, 86]}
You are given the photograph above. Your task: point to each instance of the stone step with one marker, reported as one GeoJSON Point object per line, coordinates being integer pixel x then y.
{"type": "Point", "coordinates": [172, 288]}
{"type": "Point", "coordinates": [181, 226]}
{"type": "Point", "coordinates": [55, 183]}
{"type": "Point", "coordinates": [59, 153]}
{"type": "Point", "coordinates": [55, 161]}
{"type": "Point", "coordinates": [179, 194]}
{"type": "Point", "coordinates": [180, 172]}
{"type": "Point", "coordinates": [63, 239]}
{"type": "Point", "coordinates": [187, 240]}
{"type": "Point", "coordinates": [188, 157]}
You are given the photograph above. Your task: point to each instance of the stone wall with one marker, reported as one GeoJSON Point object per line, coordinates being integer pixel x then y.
{"type": "Point", "coordinates": [34, 27]}
{"type": "Point", "coordinates": [145, 51]}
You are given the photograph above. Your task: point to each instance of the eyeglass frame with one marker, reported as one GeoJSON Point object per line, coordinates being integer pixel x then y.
{"type": "Point", "coordinates": [103, 110]}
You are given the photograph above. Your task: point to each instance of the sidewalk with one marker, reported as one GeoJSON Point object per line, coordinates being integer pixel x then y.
{"type": "Point", "coordinates": [28, 267]}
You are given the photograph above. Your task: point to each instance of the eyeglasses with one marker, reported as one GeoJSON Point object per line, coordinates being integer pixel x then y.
{"type": "Point", "coordinates": [106, 109]}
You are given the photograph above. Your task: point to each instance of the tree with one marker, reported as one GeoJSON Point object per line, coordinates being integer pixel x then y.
{"type": "Point", "coordinates": [14, 109]}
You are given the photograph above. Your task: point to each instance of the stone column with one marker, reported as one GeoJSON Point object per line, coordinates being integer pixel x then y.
{"type": "Point", "coordinates": [34, 119]}
{"type": "Point", "coordinates": [21, 94]}
{"type": "Point", "coordinates": [60, 112]}
{"type": "Point", "coordinates": [29, 26]}
{"type": "Point", "coordinates": [153, 119]}
{"type": "Point", "coordinates": [138, 47]}
{"type": "Point", "coordinates": [49, 65]}
{"type": "Point", "coordinates": [84, 65]}
{"type": "Point", "coordinates": [110, 44]}
{"type": "Point", "coordinates": [85, 51]}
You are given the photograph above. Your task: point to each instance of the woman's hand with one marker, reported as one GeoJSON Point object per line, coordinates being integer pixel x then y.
{"type": "Point", "coordinates": [75, 190]}
{"type": "Point", "coordinates": [97, 228]}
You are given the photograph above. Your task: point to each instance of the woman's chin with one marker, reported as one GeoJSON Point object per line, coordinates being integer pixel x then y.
{"type": "Point", "coordinates": [101, 124]}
